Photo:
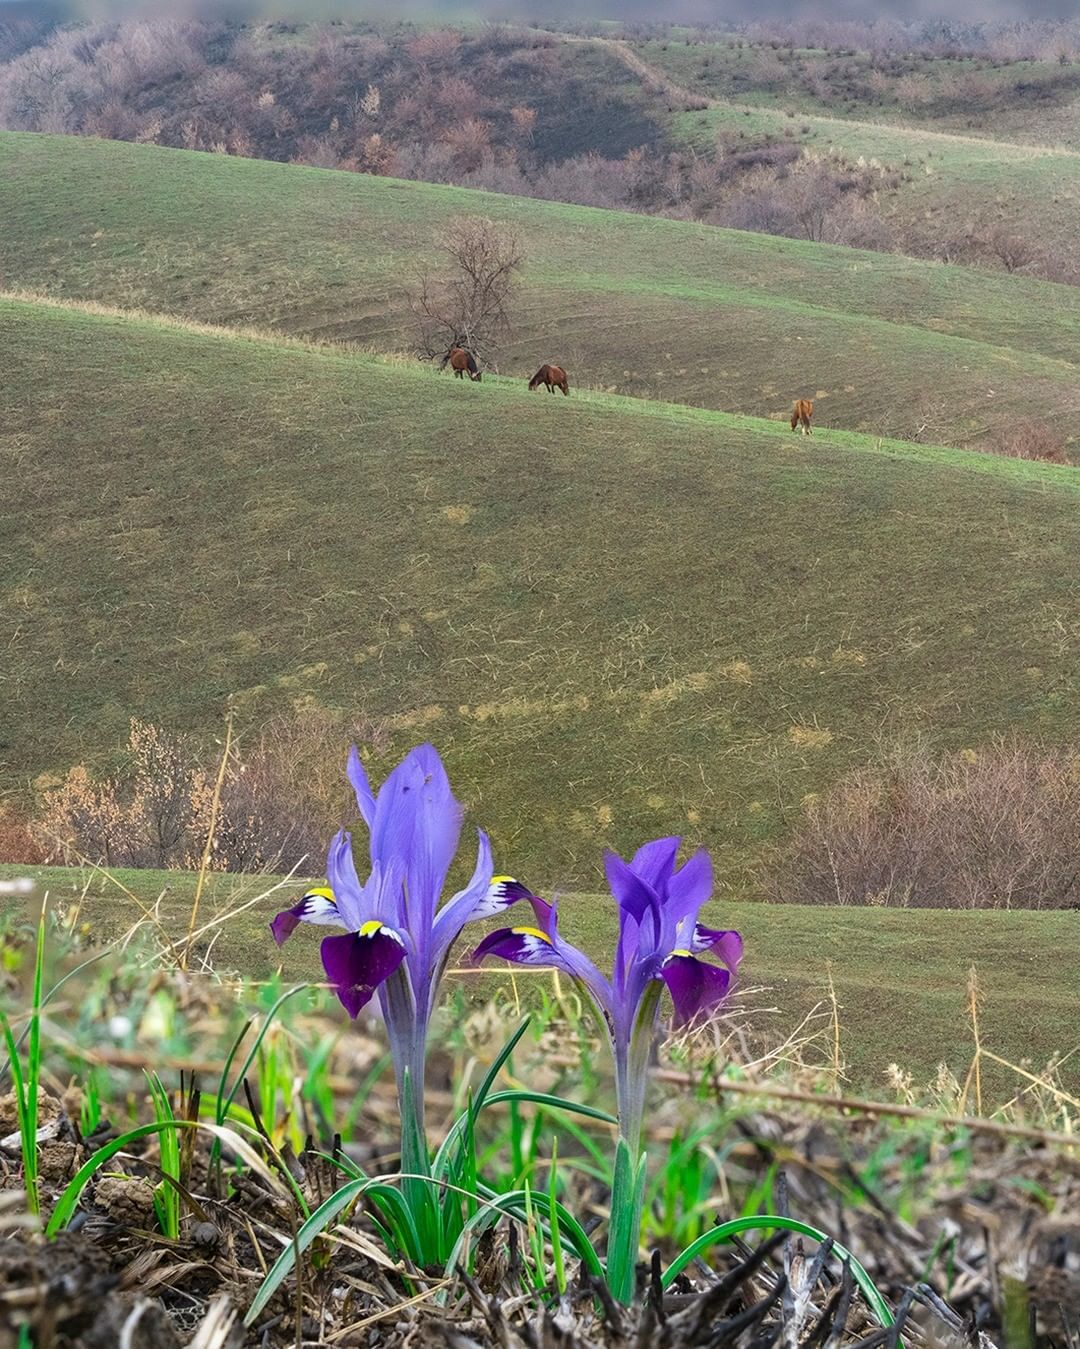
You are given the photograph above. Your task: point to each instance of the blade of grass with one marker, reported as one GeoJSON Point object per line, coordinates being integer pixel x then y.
{"type": "Point", "coordinates": [68, 1201]}
{"type": "Point", "coordinates": [774, 1222]}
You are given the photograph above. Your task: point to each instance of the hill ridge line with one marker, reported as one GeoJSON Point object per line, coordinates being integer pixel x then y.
{"type": "Point", "coordinates": [646, 70]}
{"type": "Point", "coordinates": [1027, 472]}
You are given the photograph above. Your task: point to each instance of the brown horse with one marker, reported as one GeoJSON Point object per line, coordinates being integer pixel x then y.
{"type": "Point", "coordinates": [801, 412]}
{"type": "Point", "coordinates": [554, 376]}
{"type": "Point", "coordinates": [462, 362]}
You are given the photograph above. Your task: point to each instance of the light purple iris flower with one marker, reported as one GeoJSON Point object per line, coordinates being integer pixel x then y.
{"type": "Point", "coordinates": [660, 941]}
{"type": "Point", "coordinates": [396, 939]}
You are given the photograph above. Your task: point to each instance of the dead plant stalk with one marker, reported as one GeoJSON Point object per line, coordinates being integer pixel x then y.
{"type": "Point", "coordinates": [204, 864]}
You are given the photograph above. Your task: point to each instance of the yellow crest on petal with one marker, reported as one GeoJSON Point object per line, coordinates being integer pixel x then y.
{"type": "Point", "coordinates": [370, 928]}
{"type": "Point", "coordinates": [531, 932]}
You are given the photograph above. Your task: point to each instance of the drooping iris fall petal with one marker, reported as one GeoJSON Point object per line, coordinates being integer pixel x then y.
{"type": "Point", "coordinates": [726, 945]}
{"type": "Point", "coordinates": [317, 906]}
{"type": "Point", "coordinates": [696, 987]}
{"type": "Point", "coordinates": [358, 962]}
{"type": "Point", "coordinates": [522, 945]}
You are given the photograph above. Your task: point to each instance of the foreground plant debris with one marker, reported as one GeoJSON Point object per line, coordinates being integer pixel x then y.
{"type": "Point", "coordinates": [995, 1245]}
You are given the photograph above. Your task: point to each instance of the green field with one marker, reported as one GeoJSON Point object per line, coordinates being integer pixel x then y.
{"type": "Point", "coordinates": [900, 977]}
{"type": "Point", "coordinates": [636, 305]}
{"type": "Point", "coordinates": [616, 619]}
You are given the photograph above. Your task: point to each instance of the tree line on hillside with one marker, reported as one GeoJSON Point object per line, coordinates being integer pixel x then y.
{"type": "Point", "coordinates": [517, 111]}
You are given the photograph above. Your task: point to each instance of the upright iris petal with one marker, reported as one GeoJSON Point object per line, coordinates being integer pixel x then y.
{"type": "Point", "coordinates": [396, 939]}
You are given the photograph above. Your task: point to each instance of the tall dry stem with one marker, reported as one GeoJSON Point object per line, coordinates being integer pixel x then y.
{"type": "Point", "coordinates": [204, 864]}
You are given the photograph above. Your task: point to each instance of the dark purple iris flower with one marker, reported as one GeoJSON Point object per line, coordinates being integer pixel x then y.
{"type": "Point", "coordinates": [660, 941]}
{"type": "Point", "coordinates": [396, 939]}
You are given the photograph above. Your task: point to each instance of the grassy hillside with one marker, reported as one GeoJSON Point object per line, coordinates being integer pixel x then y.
{"type": "Point", "coordinates": [616, 619]}
{"type": "Point", "coordinates": [900, 977]}
{"type": "Point", "coordinates": [1014, 167]}
{"type": "Point", "coordinates": [972, 94]}
{"type": "Point", "coordinates": [638, 305]}
{"type": "Point", "coordinates": [987, 181]}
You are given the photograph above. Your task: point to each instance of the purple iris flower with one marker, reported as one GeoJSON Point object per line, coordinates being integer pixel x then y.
{"type": "Point", "coordinates": [396, 939]}
{"type": "Point", "coordinates": [660, 941]}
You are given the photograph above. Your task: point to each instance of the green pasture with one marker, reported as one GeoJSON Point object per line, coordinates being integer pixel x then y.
{"type": "Point", "coordinates": [900, 975]}
{"type": "Point", "coordinates": [631, 304]}
{"type": "Point", "coordinates": [969, 94]}
{"type": "Point", "coordinates": [616, 619]}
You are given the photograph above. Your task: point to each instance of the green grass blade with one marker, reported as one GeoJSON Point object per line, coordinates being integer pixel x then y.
{"type": "Point", "coordinates": [68, 1201]}
{"type": "Point", "coordinates": [27, 1119]}
{"type": "Point", "coordinates": [773, 1222]}
{"type": "Point", "coordinates": [397, 1217]}
{"type": "Point", "coordinates": [453, 1136]}
{"type": "Point", "coordinates": [267, 1023]}
{"type": "Point", "coordinates": [512, 1203]}
{"type": "Point", "coordinates": [323, 1216]}
{"type": "Point", "coordinates": [166, 1197]}
{"type": "Point", "coordinates": [221, 1106]}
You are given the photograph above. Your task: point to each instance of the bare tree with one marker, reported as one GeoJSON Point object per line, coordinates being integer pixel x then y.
{"type": "Point", "coordinates": [468, 304]}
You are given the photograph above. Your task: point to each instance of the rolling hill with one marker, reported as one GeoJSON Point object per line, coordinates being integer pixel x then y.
{"type": "Point", "coordinates": [1006, 157]}
{"type": "Point", "coordinates": [616, 618]}
{"type": "Point", "coordinates": [631, 304]}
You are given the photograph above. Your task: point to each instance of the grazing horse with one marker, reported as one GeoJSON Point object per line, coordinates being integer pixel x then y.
{"type": "Point", "coordinates": [554, 376]}
{"type": "Point", "coordinates": [462, 362]}
{"type": "Point", "coordinates": [801, 412]}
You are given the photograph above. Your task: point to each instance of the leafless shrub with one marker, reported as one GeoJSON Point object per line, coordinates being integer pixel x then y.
{"type": "Point", "coordinates": [524, 120]}
{"type": "Point", "coordinates": [435, 46]}
{"type": "Point", "coordinates": [1030, 438]}
{"type": "Point", "coordinates": [283, 793]}
{"type": "Point", "coordinates": [469, 304]}
{"type": "Point", "coordinates": [469, 142]}
{"type": "Point", "coordinates": [994, 828]}
{"type": "Point", "coordinates": [150, 814]}
{"type": "Point", "coordinates": [1012, 250]}
{"type": "Point", "coordinates": [17, 842]}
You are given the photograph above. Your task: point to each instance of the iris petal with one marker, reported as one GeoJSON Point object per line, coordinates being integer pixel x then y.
{"type": "Point", "coordinates": [688, 888]}
{"type": "Point", "coordinates": [655, 861]}
{"type": "Point", "coordinates": [344, 882]}
{"type": "Point", "coordinates": [522, 945]}
{"type": "Point", "coordinates": [317, 906]}
{"type": "Point", "coordinates": [631, 891]}
{"type": "Point", "coordinates": [542, 945]}
{"type": "Point", "coordinates": [357, 963]}
{"type": "Point", "coordinates": [727, 945]}
{"type": "Point", "coordinates": [365, 797]}
{"type": "Point", "coordinates": [697, 988]}
{"type": "Point", "coordinates": [418, 820]}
